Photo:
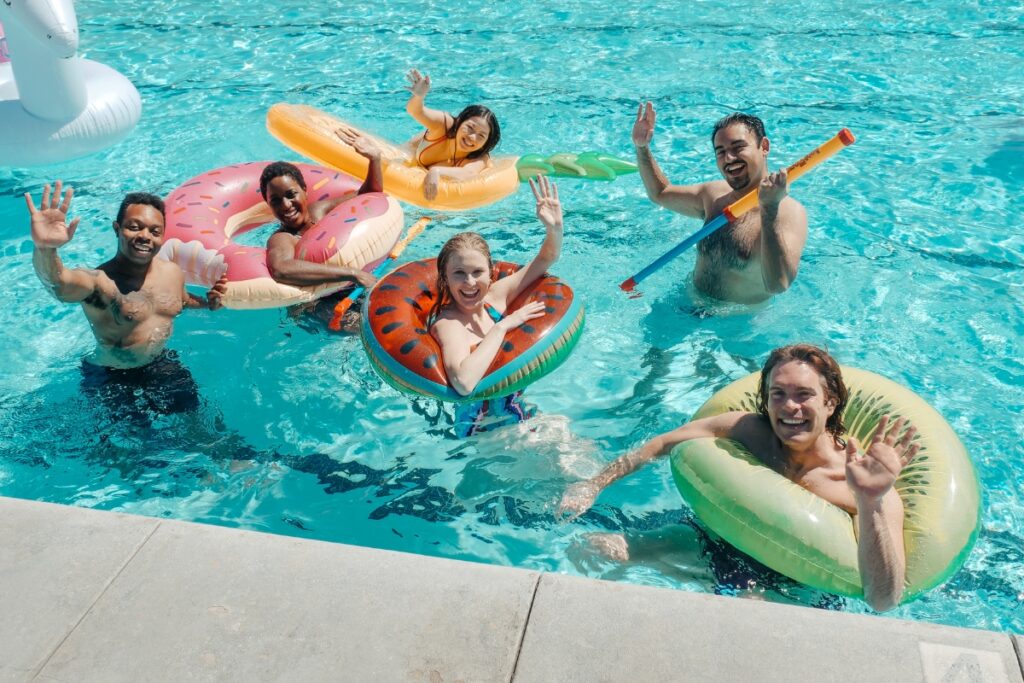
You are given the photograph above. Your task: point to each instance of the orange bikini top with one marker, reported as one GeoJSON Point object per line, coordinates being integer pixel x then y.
{"type": "Point", "coordinates": [426, 144]}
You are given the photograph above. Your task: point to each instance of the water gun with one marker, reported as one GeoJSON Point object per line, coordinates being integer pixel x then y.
{"type": "Point", "coordinates": [841, 140]}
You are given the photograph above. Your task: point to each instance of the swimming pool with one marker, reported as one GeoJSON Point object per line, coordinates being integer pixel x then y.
{"type": "Point", "coordinates": [913, 270]}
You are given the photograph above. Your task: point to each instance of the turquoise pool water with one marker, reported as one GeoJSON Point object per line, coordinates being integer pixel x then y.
{"type": "Point", "coordinates": [913, 269]}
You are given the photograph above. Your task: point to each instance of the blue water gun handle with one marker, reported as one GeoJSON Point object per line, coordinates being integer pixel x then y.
{"type": "Point", "coordinates": [715, 223]}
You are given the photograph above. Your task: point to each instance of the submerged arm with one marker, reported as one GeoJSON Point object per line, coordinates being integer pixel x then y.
{"type": "Point", "coordinates": [580, 496]}
{"type": "Point", "coordinates": [212, 300]}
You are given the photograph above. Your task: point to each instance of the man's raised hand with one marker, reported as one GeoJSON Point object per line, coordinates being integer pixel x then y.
{"type": "Point", "coordinates": [871, 474]}
{"type": "Point", "coordinates": [643, 127]}
{"type": "Point", "coordinates": [773, 189]}
{"type": "Point", "coordinates": [50, 228]}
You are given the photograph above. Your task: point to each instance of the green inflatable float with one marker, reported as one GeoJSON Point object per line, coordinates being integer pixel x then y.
{"type": "Point", "coordinates": [591, 165]}
{"type": "Point", "coordinates": [796, 533]}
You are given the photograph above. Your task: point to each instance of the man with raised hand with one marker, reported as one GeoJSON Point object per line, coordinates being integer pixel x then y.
{"type": "Point", "coordinates": [756, 256]}
{"type": "Point", "coordinates": [798, 431]}
{"type": "Point", "coordinates": [130, 301]}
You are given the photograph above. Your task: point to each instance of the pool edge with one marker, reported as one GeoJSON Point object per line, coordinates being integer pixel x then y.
{"type": "Point", "coordinates": [112, 596]}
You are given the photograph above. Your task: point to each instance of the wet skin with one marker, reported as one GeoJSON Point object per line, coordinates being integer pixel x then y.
{"type": "Point", "coordinates": [756, 256]}
{"type": "Point", "coordinates": [290, 205]}
{"type": "Point", "coordinates": [137, 297]}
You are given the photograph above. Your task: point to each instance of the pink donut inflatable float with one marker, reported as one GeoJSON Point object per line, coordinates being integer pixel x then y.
{"type": "Point", "coordinates": [205, 213]}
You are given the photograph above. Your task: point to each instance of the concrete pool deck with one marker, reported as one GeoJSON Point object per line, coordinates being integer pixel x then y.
{"type": "Point", "coordinates": [102, 596]}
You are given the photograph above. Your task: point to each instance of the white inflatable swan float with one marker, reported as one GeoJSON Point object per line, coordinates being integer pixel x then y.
{"type": "Point", "coordinates": [55, 105]}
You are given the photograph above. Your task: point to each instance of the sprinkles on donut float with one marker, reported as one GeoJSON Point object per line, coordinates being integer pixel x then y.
{"type": "Point", "coordinates": [206, 213]}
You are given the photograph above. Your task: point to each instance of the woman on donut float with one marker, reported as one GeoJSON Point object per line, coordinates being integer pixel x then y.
{"type": "Point", "coordinates": [798, 432]}
{"type": "Point", "coordinates": [284, 191]}
{"type": "Point", "coordinates": [456, 147]}
{"type": "Point", "coordinates": [471, 318]}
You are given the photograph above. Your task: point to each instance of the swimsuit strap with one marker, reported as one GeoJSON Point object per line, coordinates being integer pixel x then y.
{"type": "Point", "coordinates": [433, 143]}
{"type": "Point", "coordinates": [452, 161]}
{"type": "Point", "coordinates": [421, 149]}
{"type": "Point", "coordinates": [495, 314]}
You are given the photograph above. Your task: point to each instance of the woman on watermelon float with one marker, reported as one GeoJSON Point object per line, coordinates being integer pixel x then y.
{"type": "Point", "coordinates": [471, 316]}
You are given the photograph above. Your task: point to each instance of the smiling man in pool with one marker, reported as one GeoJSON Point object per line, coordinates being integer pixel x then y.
{"type": "Point", "coordinates": [797, 430]}
{"type": "Point", "coordinates": [130, 301]}
{"type": "Point", "coordinates": [758, 255]}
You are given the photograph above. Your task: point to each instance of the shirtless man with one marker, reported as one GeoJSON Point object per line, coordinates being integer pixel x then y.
{"type": "Point", "coordinates": [758, 255]}
{"type": "Point", "coordinates": [797, 431]}
{"type": "Point", "coordinates": [130, 301]}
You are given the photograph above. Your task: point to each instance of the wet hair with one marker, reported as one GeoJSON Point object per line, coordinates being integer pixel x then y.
{"type": "Point", "coordinates": [492, 121]}
{"type": "Point", "coordinates": [825, 365]}
{"type": "Point", "coordinates": [140, 198]}
{"type": "Point", "coordinates": [464, 240]}
{"type": "Point", "coordinates": [276, 170]}
{"type": "Point", "coordinates": [753, 124]}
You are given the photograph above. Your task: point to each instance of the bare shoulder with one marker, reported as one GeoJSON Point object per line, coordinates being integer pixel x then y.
{"type": "Point", "coordinates": [792, 209]}
{"type": "Point", "coordinates": [445, 326]}
{"type": "Point", "coordinates": [167, 268]}
{"type": "Point", "coordinates": [750, 429]}
{"type": "Point", "coordinates": [729, 425]}
{"type": "Point", "coordinates": [282, 238]}
{"type": "Point", "coordinates": [104, 282]}
{"type": "Point", "coordinates": [716, 195]}
{"type": "Point", "coordinates": [714, 189]}
{"type": "Point", "coordinates": [99, 272]}
{"type": "Point", "coordinates": [452, 337]}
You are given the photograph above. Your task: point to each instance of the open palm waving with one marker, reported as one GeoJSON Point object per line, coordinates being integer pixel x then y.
{"type": "Point", "coordinates": [50, 229]}
{"type": "Point", "coordinates": [643, 127]}
{"type": "Point", "coordinates": [871, 474]}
